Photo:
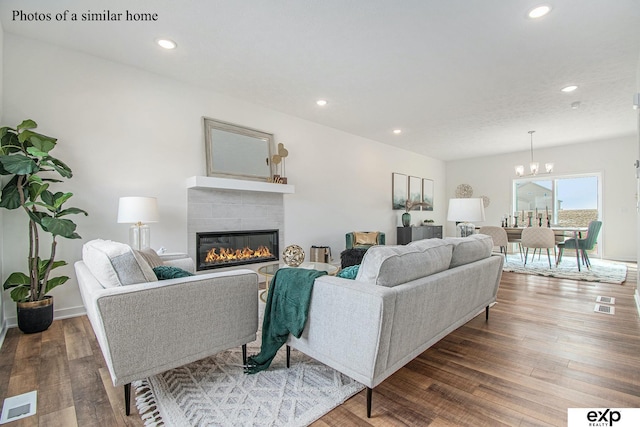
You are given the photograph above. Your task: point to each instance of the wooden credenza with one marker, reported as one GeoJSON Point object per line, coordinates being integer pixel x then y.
{"type": "Point", "coordinates": [409, 234]}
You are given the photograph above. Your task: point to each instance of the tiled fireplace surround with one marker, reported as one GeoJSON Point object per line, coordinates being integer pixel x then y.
{"type": "Point", "coordinates": [212, 209]}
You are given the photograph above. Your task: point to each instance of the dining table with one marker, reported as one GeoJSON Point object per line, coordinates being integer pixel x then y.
{"type": "Point", "coordinates": [514, 235]}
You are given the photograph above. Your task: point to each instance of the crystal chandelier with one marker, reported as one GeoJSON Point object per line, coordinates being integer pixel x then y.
{"type": "Point", "coordinates": [534, 167]}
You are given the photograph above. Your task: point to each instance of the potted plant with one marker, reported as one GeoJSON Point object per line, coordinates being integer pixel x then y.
{"type": "Point", "coordinates": [30, 170]}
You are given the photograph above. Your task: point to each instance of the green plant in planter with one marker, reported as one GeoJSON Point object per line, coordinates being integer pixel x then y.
{"type": "Point", "coordinates": [25, 158]}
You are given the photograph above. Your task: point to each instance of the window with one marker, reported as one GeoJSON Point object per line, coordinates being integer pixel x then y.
{"type": "Point", "coordinates": [570, 201]}
{"type": "Point", "coordinates": [563, 201]}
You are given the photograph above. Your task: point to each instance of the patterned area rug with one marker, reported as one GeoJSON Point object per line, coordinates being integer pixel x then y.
{"type": "Point", "coordinates": [216, 392]}
{"type": "Point", "coordinates": [601, 271]}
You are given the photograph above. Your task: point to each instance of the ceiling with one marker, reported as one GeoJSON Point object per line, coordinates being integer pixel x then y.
{"type": "Point", "coordinates": [461, 78]}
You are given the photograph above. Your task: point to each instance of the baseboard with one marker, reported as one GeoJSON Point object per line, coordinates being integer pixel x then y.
{"type": "Point", "coordinates": [3, 332]}
{"type": "Point", "coordinates": [63, 313]}
{"type": "Point", "coordinates": [636, 296]}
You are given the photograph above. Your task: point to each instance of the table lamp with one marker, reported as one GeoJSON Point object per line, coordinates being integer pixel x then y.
{"type": "Point", "coordinates": [463, 212]}
{"type": "Point", "coordinates": [138, 211]}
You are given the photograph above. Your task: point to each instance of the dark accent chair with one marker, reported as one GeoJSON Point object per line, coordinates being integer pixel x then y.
{"type": "Point", "coordinates": [584, 245]}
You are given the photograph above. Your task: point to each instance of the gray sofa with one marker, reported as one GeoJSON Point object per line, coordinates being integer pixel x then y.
{"type": "Point", "coordinates": [403, 300]}
{"type": "Point", "coordinates": [145, 326]}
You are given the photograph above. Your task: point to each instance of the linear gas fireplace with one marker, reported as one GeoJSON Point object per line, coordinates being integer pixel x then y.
{"type": "Point", "coordinates": [232, 248]}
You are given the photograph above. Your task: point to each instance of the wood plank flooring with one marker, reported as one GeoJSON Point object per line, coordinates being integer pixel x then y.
{"type": "Point", "coordinates": [543, 350]}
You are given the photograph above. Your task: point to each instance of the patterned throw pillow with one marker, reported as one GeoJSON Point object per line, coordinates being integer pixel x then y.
{"type": "Point", "coordinates": [164, 272]}
{"type": "Point", "coordinates": [349, 272]}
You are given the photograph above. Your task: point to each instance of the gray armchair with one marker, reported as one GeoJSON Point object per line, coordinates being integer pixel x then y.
{"type": "Point", "coordinates": [145, 326]}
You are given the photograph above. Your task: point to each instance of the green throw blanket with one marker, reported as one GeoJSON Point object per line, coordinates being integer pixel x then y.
{"type": "Point", "coordinates": [285, 313]}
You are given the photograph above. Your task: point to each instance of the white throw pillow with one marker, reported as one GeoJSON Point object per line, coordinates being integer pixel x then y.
{"type": "Point", "coordinates": [116, 264]}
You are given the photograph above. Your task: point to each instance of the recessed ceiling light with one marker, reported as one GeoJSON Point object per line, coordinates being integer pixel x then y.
{"type": "Point", "coordinates": [569, 88]}
{"type": "Point", "coordinates": [539, 11]}
{"type": "Point", "coordinates": [575, 105]}
{"type": "Point", "coordinates": [166, 43]}
{"type": "Point", "coordinates": [397, 131]}
{"type": "Point", "coordinates": [321, 102]}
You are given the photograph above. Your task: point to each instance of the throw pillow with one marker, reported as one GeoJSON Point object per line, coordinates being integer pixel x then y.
{"type": "Point", "coordinates": [164, 272]}
{"type": "Point", "coordinates": [368, 238]}
{"type": "Point", "coordinates": [352, 256]}
{"type": "Point", "coordinates": [151, 256]}
{"type": "Point", "coordinates": [116, 264]}
{"type": "Point", "coordinates": [349, 272]}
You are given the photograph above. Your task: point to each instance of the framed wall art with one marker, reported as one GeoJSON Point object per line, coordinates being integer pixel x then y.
{"type": "Point", "coordinates": [415, 191]}
{"type": "Point", "coordinates": [399, 190]}
{"type": "Point", "coordinates": [427, 194]}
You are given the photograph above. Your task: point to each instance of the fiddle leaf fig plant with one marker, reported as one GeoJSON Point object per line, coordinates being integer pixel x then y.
{"type": "Point", "coordinates": [29, 170]}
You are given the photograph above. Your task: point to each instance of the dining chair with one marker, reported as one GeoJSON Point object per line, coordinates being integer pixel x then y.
{"type": "Point", "coordinates": [498, 234]}
{"type": "Point", "coordinates": [538, 238]}
{"type": "Point", "coordinates": [584, 245]}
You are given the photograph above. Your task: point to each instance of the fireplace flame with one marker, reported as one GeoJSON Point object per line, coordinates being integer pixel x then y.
{"type": "Point", "coordinates": [229, 254]}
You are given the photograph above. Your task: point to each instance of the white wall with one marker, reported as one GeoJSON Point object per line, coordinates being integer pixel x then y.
{"type": "Point", "coordinates": [128, 132]}
{"type": "Point", "coordinates": [637, 294]}
{"type": "Point", "coordinates": [493, 176]}
{"type": "Point", "coordinates": [2, 315]}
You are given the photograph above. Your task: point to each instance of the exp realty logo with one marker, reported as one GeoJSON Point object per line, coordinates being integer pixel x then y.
{"type": "Point", "coordinates": [603, 417]}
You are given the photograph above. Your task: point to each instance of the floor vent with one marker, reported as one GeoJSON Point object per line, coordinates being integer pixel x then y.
{"type": "Point", "coordinates": [606, 300]}
{"type": "Point", "coordinates": [604, 309]}
{"type": "Point", "coordinates": [18, 407]}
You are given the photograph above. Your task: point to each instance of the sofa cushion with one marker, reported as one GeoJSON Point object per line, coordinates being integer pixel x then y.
{"type": "Point", "coordinates": [393, 265]}
{"type": "Point", "coordinates": [116, 264]}
{"type": "Point", "coordinates": [470, 249]}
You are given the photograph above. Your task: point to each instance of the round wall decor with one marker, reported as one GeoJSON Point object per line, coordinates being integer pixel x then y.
{"type": "Point", "coordinates": [464, 191]}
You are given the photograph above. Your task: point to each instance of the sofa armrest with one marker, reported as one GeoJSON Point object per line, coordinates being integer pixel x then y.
{"type": "Point", "coordinates": [148, 328]}
{"type": "Point", "coordinates": [348, 327]}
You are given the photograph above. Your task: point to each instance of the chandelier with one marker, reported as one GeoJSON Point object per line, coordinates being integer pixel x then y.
{"type": "Point", "coordinates": [534, 167]}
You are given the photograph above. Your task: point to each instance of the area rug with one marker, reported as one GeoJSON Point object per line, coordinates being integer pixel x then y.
{"type": "Point", "coordinates": [216, 392]}
{"type": "Point", "coordinates": [601, 271]}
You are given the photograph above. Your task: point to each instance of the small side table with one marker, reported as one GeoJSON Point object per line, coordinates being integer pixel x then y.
{"type": "Point", "coordinates": [268, 271]}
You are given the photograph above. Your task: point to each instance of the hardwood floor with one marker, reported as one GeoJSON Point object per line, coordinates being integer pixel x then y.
{"type": "Point", "coordinates": [543, 350]}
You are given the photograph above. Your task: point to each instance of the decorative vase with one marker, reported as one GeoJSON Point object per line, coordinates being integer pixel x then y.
{"type": "Point", "coordinates": [406, 219]}
{"type": "Point", "coordinates": [35, 316]}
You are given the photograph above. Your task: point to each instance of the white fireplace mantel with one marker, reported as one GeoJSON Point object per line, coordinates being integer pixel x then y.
{"type": "Point", "coordinates": [238, 184]}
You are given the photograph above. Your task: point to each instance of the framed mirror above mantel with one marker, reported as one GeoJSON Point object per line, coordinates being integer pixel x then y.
{"type": "Point", "coordinates": [239, 152]}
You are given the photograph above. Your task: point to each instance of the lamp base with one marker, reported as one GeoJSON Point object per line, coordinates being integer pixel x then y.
{"type": "Point", "coordinates": [465, 229]}
{"type": "Point", "coordinates": [139, 236]}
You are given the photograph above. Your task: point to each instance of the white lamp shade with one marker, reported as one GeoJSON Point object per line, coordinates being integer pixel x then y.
{"type": "Point", "coordinates": [466, 210]}
{"type": "Point", "coordinates": [133, 210]}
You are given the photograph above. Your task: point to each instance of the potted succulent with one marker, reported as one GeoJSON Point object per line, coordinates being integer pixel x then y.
{"type": "Point", "coordinates": [29, 170]}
